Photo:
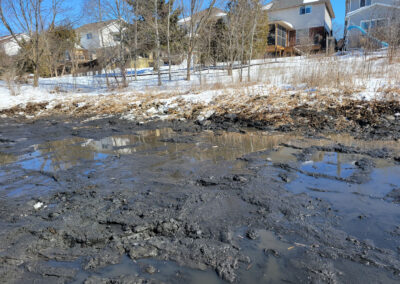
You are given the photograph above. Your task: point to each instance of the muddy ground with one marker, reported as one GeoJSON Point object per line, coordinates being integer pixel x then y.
{"type": "Point", "coordinates": [224, 199]}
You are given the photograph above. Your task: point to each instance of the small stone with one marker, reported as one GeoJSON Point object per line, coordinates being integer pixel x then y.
{"type": "Point", "coordinates": [239, 178]}
{"type": "Point", "coordinates": [150, 269]}
{"type": "Point", "coordinates": [226, 237]}
{"type": "Point", "coordinates": [272, 252]}
{"type": "Point", "coordinates": [252, 234]}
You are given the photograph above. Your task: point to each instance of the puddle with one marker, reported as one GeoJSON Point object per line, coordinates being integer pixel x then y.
{"type": "Point", "coordinates": [207, 146]}
{"type": "Point", "coordinates": [270, 260]}
{"type": "Point", "coordinates": [333, 164]}
{"type": "Point", "coordinates": [364, 211]}
{"type": "Point", "coordinates": [165, 271]}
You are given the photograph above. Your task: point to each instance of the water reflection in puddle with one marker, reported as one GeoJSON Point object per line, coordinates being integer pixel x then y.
{"type": "Point", "coordinates": [364, 210]}
{"type": "Point", "coordinates": [206, 146]}
{"type": "Point", "coordinates": [270, 260]}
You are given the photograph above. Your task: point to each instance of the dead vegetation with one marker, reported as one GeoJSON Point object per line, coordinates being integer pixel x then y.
{"type": "Point", "coordinates": [253, 105]}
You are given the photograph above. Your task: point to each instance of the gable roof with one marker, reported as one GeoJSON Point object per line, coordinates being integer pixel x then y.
{"type": "Point", "coordinates": [215, 13]}
{"type": "Point", "coordinates": [95, 26]}
{"type": "Point", "coordinates": [10, 38]}
{"type": "Point", "coordinates": [287, 4]}
{"type": "Point", "coordinates": [371, 7]}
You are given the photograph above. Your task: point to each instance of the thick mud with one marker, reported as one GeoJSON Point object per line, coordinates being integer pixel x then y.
{"type": "Point", "coordinates": [111, 201]}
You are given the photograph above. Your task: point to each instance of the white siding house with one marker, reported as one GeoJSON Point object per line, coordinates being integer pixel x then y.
{"type": "Point", "coordinates": [363, 17]}
{"type": "Point", "coordinates": [10, 46]}
{"type": "Point", "coordinates": [99, 35]}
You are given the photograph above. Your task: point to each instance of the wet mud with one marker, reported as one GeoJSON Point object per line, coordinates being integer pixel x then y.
{"type": "Point", "coordinates": [112, 201]}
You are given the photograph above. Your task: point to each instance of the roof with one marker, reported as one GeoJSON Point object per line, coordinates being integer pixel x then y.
{"type": "Point", "coordinates": [285, 24]}
{"type": "Point", "coordinates": [370, 7]}
{"type": "Point", "coordinates": [95, 26]}
{"type": "Point", "coordinates": [287, 4]}
{"type": "Point", "coordinates": [215, 13]}
{"type": "Point", "coordinates": [8, 38]}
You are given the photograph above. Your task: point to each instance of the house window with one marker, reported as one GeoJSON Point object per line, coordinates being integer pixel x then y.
{"type": "Point", "coordinates": [89, 36]}
{"type": "Point", "coordinates": [302, 36]}
{"type": "Point", "coordinates": [116, 37]}
{"type": "Point", "coordinates": [305, 10]}
{"type": "Point", "coordinates": [364, 3]}
{"type": "Point", "coordinates": [375, 23]}
{"type": "Point", "coordinates": [281, 36]}
{"type": "Point", "coordinates": [365, 25]}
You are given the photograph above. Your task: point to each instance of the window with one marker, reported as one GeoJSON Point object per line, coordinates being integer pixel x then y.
{"type": "Point", "coordinates": [89, 36]}
{"type": "Point", "coordinates": [116, 37]}
{"type": "Point", "coordinates": [281, 36]}
{"type": "Point", "coordinates": [375, 23]}
{"type": "Point", "coordinates": [365, 25]}
{"type": "Point", "coordinates": [305, 10]}
{"type": "Point", "coordinates": [364, 3]}
{"type": "Point", "coordinates": [302, 36]}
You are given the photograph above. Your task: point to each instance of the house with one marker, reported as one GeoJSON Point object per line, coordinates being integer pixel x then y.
{"type": "Point", "coordinates": [9, 45]}
{"type": "Point", "coordinates": [99, 35]}
{"type": "Point", "coordinates": [368, 20]}
{"type": "Point", "coordinates": [215, 15]}
{"type": "Point", "coordinates": [297, 25]}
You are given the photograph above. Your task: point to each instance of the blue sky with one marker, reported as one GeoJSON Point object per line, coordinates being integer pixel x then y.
{"type": "Point", "coordinates": [75, 9]}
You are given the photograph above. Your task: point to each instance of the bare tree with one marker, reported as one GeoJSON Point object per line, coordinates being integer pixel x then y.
{"type": "Point", "coordinates": [157, 41]}
{"type": "Point", "coordinates": [257, 15]}
{"type": "Point", "coordinates": [31, 17]}
{"type": "Point", "coordinates": [194, 21]}
{"type": "Point", "coordinates": [168, 40]}
{"type": "Point", "coordinates": [121, 12]}
{"type": "Point", "coordinates": [235, 31]}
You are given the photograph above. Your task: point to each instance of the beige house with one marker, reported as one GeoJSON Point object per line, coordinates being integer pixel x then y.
{"type": "Point", "coordinates": [296, 24]}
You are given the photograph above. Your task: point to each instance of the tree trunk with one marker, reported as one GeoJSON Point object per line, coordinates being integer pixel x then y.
{"type": "Point", "coordinates": [36, 77]}
{"type": "Point", "coordinates": [168, 39]}
{"type": "Point", "coordinates": [158, 43]}
{"type": "Point", "coordinates": [251, 47]}
{"type": "Point", "coordinates": [189, 62]}
{"type": "Point", "coordinates": [136, 40]}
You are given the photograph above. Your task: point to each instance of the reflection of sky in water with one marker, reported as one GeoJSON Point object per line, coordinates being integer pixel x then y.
{"type": "Point", "coordinates": [333, 164]}
{"type": "Point", "coordinates": [354, 200]}
{"type": "Point", "coordinates": [208, 146]}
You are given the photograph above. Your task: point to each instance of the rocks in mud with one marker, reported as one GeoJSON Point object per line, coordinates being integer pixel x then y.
{"type": "Point", "coordinates": [365, 164]}
{"type": "Point", "coordinates": [150, 269]}
{"type": "Point", "coordinates": [102, 260]}
{"type": "Point", "coordinates": [4, 140]}
{"type": "Point", "coordinates": [394, 195]}
{"type": "Point", "coordinates": [193, 230]}
{"type": "Point", "coordinates": [144, 251]}
{"type": "Point", "coordinates": [272, 252]}
{"type": "Point", "coordinates": [285, 177]}
{"type": "Point", "coordinates": [252, 234]}
{"type": "Point", "coordinates": [47, 270]}
{"type": "Point", "coordinates": [167, 228]}
{"type": "Point", "coordinates": [239, 178]}
{"type": "Point", "coordinates": [226, 237]}
{"type": "Point", "coordinates": [205, 116]}
{"type": "Point", "coordinates": [397, 159]}
{"type": "Point", "coordinates": [226, 269]}
{"type": "Point", "coordinates": [128, 279]}
{"type": "Point", "coordinates": [210, 181]}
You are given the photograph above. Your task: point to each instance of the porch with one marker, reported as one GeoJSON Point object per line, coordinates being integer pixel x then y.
{"type": "Point", "coordinates": [281, 39]}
